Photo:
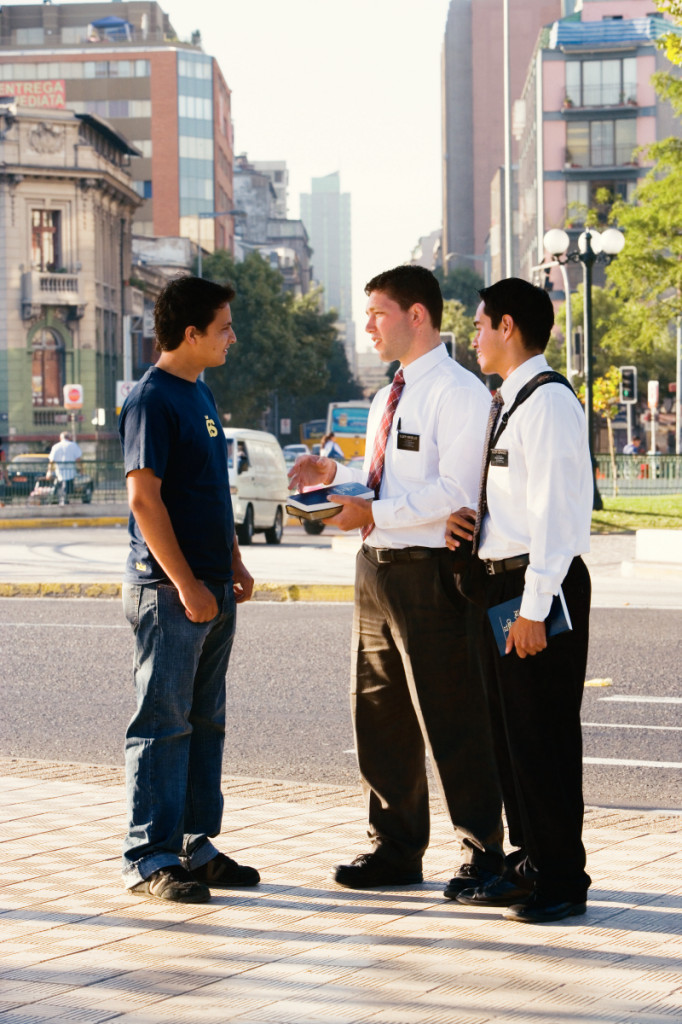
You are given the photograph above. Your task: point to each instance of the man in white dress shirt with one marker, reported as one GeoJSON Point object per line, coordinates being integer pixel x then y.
{"type": "Point", "coordinates": [65, 458]}
{"type": "Point", "coordinates": [412, 687]}
{"type": "Point", "coordinates": [539, 494]}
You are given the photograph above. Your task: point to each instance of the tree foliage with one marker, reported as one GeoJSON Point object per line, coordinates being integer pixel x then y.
{"type": "Point", "coordinates": [287, 349]}
{"type": "Point", "coordinates": [458, 320]}
{"type": "Point", "coordinates": [463, 284]}
{"type": "Point", "coordinates": [647, 275]}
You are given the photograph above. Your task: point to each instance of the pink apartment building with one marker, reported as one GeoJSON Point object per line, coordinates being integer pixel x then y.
{"type": "Point", "coordinates": [587, 106]}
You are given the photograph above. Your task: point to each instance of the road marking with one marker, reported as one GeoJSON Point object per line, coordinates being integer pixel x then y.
{"type": "Point", "coordinates": [632, 764]}
{"type": "Point", "coordinates": [645, 700]}
{"type": "Point", "coordinates": [612, 725]}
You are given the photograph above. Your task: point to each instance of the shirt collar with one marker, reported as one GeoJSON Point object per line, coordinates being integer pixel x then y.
{"type": "Point", "coordinates": [413, 371]}
{"type": "Point", "coordinates": [520, 376]}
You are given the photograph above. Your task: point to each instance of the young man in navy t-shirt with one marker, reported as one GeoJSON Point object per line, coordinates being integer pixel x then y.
{"type": "Point", "coordinates": [184, 577]}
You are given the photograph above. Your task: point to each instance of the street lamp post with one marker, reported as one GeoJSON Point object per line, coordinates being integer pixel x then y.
{"type": "Point", "coordinates": [593, 247]}
{"type": "Point", "coordinates": [211, 215]}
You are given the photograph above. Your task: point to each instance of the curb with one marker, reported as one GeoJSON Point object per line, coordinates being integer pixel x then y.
{"type": "Point", "coordinates": [282, 592]}
{"type": "Point", "coordinates": [32, 524]}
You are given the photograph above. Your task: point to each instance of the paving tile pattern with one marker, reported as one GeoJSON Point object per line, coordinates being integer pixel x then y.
{"type": "Point", "coordinates": [76, 947]}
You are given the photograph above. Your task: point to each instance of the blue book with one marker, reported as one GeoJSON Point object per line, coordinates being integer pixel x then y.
{"type": "Point", "coordinates": [503, 616]}
{"type": "Point", "coordinates": [314, 504]}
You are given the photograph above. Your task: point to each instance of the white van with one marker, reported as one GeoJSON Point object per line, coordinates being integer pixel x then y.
{"type": "Point", "coordinates": [258, 483]}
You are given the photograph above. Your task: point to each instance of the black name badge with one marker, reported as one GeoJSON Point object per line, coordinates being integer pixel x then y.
{"type": "Point", "coordinates": [499, 457]}
{"type": "Point", "coordinates": [408, 442]}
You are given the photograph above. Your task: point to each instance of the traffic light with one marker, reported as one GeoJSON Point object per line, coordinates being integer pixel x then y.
{"type": "Point", "coordinates": [628, 385]}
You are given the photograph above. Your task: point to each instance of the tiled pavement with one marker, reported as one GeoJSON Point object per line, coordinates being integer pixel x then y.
{"type": "Point", "coordinates": [298, 950]}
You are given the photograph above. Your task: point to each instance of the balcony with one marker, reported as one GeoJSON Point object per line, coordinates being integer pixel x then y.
{"type": "Point", "coordinates": [41, 288]}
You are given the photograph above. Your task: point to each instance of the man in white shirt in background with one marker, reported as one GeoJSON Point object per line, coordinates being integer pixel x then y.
{"type": "Point", "coordinates": [64, 462]}
{"type": "Point", "coordinates": [539, 495]}
{"type": "Point", "coordinates": [412, 686]}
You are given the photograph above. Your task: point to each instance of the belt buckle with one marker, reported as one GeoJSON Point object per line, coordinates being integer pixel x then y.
{"type": "Point", "coordinates": [382, 555]}
{"type": "Point", "coordinates": [489, 567]}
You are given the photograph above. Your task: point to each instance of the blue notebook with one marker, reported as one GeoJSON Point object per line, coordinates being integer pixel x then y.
{"type": "Point", "coordinates": [502, 617]}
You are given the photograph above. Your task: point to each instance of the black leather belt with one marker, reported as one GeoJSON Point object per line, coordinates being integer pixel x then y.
{"type": "Point", "coordinates": [384, 555]}
{"type": "Point", "coordinates": [505, 564]}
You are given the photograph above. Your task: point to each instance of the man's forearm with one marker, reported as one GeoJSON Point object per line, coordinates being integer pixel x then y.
{"type": "Point", "coordinates": [155, 525]}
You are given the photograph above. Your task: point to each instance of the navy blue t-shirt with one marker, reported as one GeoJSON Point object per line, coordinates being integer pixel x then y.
{"type": "Point", "coordinates": [171, 426]}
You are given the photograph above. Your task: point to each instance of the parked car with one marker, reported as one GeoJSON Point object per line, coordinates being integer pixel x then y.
{"type": "Point", "coordinates": [27, 478]}
{"type": "Point", "coordinates": [292, 451]}
{"type": "Point", "coordinates": [258, 484]}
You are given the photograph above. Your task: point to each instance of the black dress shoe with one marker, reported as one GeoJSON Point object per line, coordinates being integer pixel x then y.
{"type": "Point", "coordinates": [498, 893]}
{"type": "Point", "coordinates": [538, 911]}
{"type": "Point", "coordinates": [468, 877]}
{"type": "Point", "coordinates": [370, 870]}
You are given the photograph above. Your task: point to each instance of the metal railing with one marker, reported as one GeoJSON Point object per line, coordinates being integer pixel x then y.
{"type": "Point", "coordinates": [97, 483]}
{"type": "Point", "coordinates": [640, 474]}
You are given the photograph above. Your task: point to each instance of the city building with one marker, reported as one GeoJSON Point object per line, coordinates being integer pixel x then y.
{"type": "Point", "coordinates": [260, 197]}
{"type": "Point", "coordinates": [121, 61]}
{"type": "Point", "coordinates": [325, 211]}
{"type": "Point", "coordinates": [278, 173]}
{"type": "Point", "coordinates": [473, 111]}
{"type": "Point", "coordinates": [66, 211]}
{"type": "Point", "coordinates": [427, 251]}
{"type": "Point", "coordinates": [587, 106]}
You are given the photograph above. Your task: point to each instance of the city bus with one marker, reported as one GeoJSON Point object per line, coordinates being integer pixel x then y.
{"type": "Point", "coordinates": [348, 422]}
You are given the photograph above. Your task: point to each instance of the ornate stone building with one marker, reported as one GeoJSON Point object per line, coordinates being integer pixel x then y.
{"type": "Point", "coordinates": [66, 209]}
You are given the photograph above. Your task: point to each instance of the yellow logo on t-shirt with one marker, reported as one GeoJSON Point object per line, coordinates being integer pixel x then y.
{"type": "Point", "coordinates": [211, 427]}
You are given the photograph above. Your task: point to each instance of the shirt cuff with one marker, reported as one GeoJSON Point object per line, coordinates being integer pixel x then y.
{"type": "Point", "coordinates": [535, 606]}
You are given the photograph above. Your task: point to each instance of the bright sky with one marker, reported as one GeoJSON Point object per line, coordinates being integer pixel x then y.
{"type": "Point", "coordinates": [338, 85]}
{"type": "Point", "coordinates": [347, 85]}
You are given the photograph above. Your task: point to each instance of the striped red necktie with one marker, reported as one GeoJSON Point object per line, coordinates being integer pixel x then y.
{"type": "Point", "coordinates": [376, 468]}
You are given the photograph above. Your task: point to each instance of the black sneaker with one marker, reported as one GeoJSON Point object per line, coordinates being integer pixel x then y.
{"type": "Point", "coordinates": [224, 873]}
{"type": "Point", "coordinates": [175, 884]}
{"type": "Point", "coordinates": [370, 871]}
{"type": "Point", "coordinates": [468, 877]}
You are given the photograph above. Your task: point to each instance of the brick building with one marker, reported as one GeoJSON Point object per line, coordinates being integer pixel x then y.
{"type": "Point", "coordinates": [122, 61]}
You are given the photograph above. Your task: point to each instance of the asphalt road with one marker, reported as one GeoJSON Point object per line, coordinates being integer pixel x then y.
{"type": "Point", "coordinates": [66, 694]}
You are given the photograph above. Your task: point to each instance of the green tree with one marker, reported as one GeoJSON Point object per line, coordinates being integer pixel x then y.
{"type": "Point", "coordinates": [458, 320]}
{"type": "Point", "coordinates": [463, 284]}
{"type": "Point", "coordinates": [648, 273]}
{"type": "Point", "coordinates": [605, 401]}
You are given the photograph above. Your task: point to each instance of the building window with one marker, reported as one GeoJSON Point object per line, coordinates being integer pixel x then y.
{"type": "Point", "coordinates": [601, 83]}
{"type": "Point", "coordinates": [47, 368]}
{"type": "Point", "coordinates": [30, 36]}
{"type": "Point", "coordinates": [45, 240]}
{"type": "Point", "coordinates": [143, 188]}
{"type": "Point", "coordinates": [600, 143]}
{"type": "Point", "coordinates": [582, 196]}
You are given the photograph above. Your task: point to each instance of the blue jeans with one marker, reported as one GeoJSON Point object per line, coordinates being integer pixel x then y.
{"type": "Point", "coordinates": [174, 743]}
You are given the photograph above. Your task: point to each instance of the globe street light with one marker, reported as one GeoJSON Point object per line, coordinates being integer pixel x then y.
{"type": "Point", "coordinates": [592, 248]}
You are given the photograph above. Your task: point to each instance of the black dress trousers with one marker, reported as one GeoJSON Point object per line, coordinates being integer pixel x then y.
{"type": "Point", "coordinates": [414, 687]}
{"type": "Point", "coordinates": [535, 712]}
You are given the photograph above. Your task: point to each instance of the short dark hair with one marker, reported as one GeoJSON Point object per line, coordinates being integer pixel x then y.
{"type": "Point", "coordinates": [187, 302]}
{"type": "Point", "coordinates": [409, 284]}
{"type": "Point", "coordinates": [529, 307]}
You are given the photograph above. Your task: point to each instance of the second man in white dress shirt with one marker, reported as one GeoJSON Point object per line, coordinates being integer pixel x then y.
{"type": "Point", "coordinates": [539, 503]}
{"type": "Point", "coordinates": [412, 688]}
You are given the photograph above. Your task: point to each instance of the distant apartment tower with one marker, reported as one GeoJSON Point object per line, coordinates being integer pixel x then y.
{"type": "Point", "coordinates": [473, 111]}
{"type": "Point", "coordinates": [325, 211]}
{"type": "Point", "coordinates": [587, 106]}
{"type": "Point", "coordinates": [123, 62]}
{"type": "Point", "coordinates": [263, 228]}
{"type": "Point", "coordinates": [278, 173]}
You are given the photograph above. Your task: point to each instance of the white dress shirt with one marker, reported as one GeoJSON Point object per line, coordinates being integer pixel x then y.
{"type": "Point", "coordinates": [540, 504]}
{"type": "Point", "coordinates": [446, 407]}
{"type": "Point", "coordinates": [65, 454]}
